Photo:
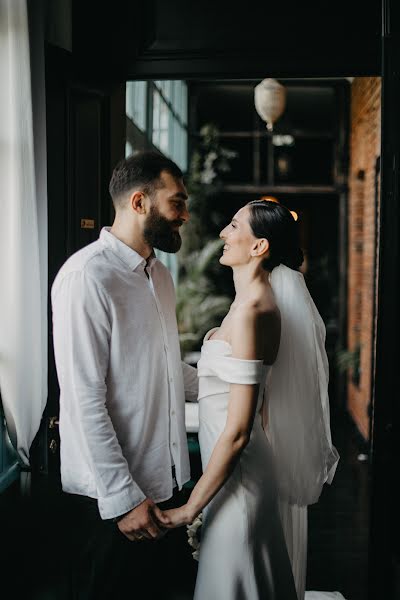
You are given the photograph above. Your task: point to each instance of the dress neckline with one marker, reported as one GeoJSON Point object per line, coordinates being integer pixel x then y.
{"type": "Point", "coordinates": [210, 333]}
{"type": "Point", "coordinates": [213, 330]}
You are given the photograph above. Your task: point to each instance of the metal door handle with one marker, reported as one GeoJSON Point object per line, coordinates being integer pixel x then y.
{"type": "Point", "coordinates": [53, 422]}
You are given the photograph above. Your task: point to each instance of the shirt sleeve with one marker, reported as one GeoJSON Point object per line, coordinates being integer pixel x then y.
{"type": "Point", "coordinates": [82, 332]}
{"type": "Point", "coordinates": [190, 382]}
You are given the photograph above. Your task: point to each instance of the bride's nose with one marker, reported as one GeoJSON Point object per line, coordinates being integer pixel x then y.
{"type": "Point", "coordinates": [222, 234]}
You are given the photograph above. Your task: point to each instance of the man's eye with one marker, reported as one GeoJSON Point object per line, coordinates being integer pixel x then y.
{"type": "Point", "coordinates": [233, 225]}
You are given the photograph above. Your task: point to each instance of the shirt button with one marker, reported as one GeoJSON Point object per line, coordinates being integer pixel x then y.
{"type": "Point", "coordinates": [170, 380]}
{"type": "Point", "coordinates": [174, 444]}
{"type": "Point", "coordinates": [172, 412]}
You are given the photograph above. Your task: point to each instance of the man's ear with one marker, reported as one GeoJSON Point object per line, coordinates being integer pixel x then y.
{"type": "Point", "coordinates": [260, 247]}
{"type": "Point", "coordinates": [137, 202]}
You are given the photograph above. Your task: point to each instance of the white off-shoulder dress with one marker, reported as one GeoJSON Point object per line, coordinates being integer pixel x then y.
{"type": "Point", "coordinates": [243, 554]}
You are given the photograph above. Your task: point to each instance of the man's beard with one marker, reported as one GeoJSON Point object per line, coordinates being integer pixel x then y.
{"type": "Point", "coordinates": [159, 233]}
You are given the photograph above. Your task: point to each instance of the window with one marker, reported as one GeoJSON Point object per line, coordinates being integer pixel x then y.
{"type": "Point", "coordinates": [136, 102]}
{"type": "Point", "coordinates": [156, 117]}
{"type": "Point", "coordinates": [156, 113]}
{"type": "Point", "coordinates": [169, 127]}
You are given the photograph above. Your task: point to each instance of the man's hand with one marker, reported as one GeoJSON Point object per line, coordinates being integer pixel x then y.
{"type": "Point", "coordinates": [140, 522]}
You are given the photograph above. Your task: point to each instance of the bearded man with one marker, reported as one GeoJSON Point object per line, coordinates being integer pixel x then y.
{"type": "Point", "coordinates": [124, 454]}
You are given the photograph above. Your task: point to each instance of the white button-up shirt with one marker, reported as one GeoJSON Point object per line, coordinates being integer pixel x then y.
{"type": "Point", "coordinates": [122, 390]}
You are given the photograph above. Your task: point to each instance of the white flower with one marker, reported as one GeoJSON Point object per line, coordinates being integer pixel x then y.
{"type": "Point", "coordinates": [211, 156]}
{"type": "Point", "coordinates": [207, 176]}
{"type": "Point", "coordinates": [196, 555]}
{"type": "Point", "coordinates": [193, 540]}
{"type": "Point", "coordinates": [228, 153]}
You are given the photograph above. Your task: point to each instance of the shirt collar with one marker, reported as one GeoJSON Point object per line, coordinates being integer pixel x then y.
{"type": "Point", "coordinates": [129, 256]}
{"type": "Point", "coordinates": [151, 259]}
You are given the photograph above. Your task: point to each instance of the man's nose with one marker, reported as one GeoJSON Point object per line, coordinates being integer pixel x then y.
{"type": "Point", "coordinates": [185, 216]}
{"type": "Point", "coordinates": [222, 234]}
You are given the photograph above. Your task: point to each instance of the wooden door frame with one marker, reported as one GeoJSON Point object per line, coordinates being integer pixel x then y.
{"type": "Point", "coordinates": [385, 415]}
{"type": "Point", "coordinates": [152, 61]}
{"type": "Point", "coordinates": [384, 556]}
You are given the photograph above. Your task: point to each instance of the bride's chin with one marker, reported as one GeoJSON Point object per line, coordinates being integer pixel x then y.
{"type": "Point", "coordinates": [224, 260]}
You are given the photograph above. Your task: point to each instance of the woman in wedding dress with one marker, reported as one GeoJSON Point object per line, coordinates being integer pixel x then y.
{"type": "Point", "coordinates": [264, 418]}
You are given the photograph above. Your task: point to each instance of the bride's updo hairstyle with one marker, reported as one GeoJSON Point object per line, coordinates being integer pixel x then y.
{"type": "Point", "coordinates": [275, 222]}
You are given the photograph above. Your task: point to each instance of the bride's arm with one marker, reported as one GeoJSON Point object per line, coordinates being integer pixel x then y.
{"type": "Point", "coordinates": [236, 434]}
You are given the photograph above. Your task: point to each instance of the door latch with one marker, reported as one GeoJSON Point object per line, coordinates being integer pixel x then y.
{"type": "Point", "coordinates": [53, 422]}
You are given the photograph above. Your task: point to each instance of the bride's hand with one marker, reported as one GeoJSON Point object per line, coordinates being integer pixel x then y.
{"type": "Point", "coordinates": [175, 517]}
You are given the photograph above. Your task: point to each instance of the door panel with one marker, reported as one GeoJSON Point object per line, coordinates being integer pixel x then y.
{"type": "Point", "coordinates": [80, 150]}
{"type": "Point", "coordinates": [88, 176]}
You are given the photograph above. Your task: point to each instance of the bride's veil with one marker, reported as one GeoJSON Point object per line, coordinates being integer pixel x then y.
{"type": "Point", "coordinates": [297, 403]}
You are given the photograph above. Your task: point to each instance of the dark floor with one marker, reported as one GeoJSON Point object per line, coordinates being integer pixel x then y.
{"type": "Point", "coordinates": [338, 523]}
{"type": "Point", "coordinates": [34, 531]}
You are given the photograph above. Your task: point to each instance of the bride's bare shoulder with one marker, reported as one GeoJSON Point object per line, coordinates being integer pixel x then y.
{"type": "Point", "coordinates": [258, 305]}
{"type": "Point", "coordinates": [257, 312]}
{"type": "Point", "coordinates": [255, 329]}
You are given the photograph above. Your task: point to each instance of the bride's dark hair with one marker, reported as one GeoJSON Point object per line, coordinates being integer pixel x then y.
{"type": "Point", "coordinates": [275, 222]}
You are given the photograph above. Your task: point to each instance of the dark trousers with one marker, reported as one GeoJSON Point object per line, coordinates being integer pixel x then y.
{"type": "Point", "coordinates": [105, 565]}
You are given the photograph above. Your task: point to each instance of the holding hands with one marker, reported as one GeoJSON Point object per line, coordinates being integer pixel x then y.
{"type": "Point", "coordinates": [147, 521]}
{"type": "Point", "coordinates": [176, 517]}
{"type": "Point", "coordinates": [142, 522]}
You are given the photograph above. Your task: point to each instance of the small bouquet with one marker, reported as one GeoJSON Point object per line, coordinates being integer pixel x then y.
{"type": "Point", "coordinates": [194, 535]}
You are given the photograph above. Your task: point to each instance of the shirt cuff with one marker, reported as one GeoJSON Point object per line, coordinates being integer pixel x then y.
{"type": "Point", "coordinates": [119, 504]}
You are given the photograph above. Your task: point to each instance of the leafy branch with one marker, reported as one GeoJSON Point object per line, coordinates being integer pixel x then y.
{"type": "Point", "coordinates": [200, 305]}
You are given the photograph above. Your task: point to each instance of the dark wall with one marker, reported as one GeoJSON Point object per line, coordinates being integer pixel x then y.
{"type": "Point", "coordinates": [261, 38]}
{"type": "Point", "coordinates": [128, 39]}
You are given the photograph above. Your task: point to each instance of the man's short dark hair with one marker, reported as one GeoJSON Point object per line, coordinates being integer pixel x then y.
{"type": "Point", "coordinates": [141, 170]}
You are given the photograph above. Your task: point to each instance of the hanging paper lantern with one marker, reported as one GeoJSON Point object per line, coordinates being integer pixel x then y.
{"type": "Point", "coordinates": [270, 101]}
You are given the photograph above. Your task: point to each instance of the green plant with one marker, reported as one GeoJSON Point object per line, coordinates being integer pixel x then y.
{"type": "Point", "coordinates": [209, 163]}
{"type": "Point", "coordinates": [349, 360]}
{"type": "Point", "coordinates": [199, 306]}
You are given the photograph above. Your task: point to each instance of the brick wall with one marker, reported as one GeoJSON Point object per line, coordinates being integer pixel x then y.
{"type": "Point", "coordinates": [364, 151]}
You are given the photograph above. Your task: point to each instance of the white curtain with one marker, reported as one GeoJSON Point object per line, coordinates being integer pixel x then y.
{"type": "Point", "coordinates": [23, 236]}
